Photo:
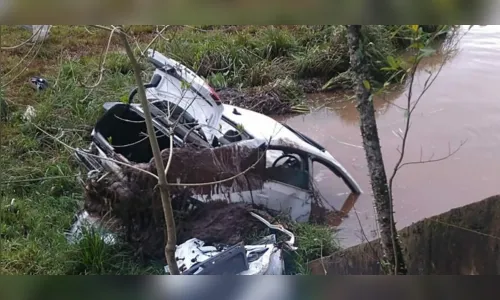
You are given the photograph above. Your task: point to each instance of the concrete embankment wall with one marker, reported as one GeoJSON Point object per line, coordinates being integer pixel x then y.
{"type": "Point", "coordinates": [462, 241]}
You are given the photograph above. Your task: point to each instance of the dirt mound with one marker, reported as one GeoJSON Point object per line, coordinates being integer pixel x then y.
{"type": "Point", "coordinates": [220, 222]}
{"type": "Point", "coordinates": [277, 97]}
{"type": "Point", "coordinates": [133, 199]}
{"type": "Point", "coordinates": [280, 96]}
{"type": "Point", "coordinates": [256, 99]}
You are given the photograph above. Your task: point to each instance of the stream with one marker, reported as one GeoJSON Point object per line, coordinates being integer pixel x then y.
{"type": "Point", "coordinates": [461, 105]}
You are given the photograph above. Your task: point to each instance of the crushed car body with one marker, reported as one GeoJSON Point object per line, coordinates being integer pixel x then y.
{"type": "Point", "coordinates": [185, 108]}
{"type": "Point", "coordinates": [264, 258]}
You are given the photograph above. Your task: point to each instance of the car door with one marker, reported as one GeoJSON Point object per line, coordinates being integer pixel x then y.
{"type": "Point", "coordinates": [333, 198]}
{"type": "Point", "coordinates": [286, 189]}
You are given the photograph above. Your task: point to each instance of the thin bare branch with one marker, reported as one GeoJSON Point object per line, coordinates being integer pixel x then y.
{"type": "Point", "coordinates": [379, 259]}
{"type": "Point", "coordinates": [93, 155]}
{"type": "Point", "coordinates": [101, 63]}
{"type": "Point", "coordinates": [410, 107]}
{"type": "Point", "coordinates": [431, 160]}
{"type": "Point", "coordinates": [427, 86]}
{"type": "Point", "coordinates": [162, 178]}
{"type": "Point", "coordinates": [22, 59]}
{"type": "Point", "coordinates": [155, 38]}
{"type": "Point", "coordinates": [86, 29]}
{"type": "Point", "coordinates": [27, 65]}
{"type": "Point", "coordinates": [36, 179]}
{"type": "Point", "coordinates": [23, 43]}
{"type": "Point", "coordinates": [136, 142]}
{"type": "Point", "coordinates": [171, 149]}
{"type": "Point", "coordinates": [102, 27]}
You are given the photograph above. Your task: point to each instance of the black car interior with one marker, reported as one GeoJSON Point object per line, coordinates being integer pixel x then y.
{"type": "Point", "coordinates": [125, 130]}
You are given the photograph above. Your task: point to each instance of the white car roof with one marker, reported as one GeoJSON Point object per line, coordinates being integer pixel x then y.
{"type": "Point", "coordinates": [262, 127]}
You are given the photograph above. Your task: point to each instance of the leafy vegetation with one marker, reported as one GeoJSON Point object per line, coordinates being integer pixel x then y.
{"type": "Point", "coordinates": [257, 55]}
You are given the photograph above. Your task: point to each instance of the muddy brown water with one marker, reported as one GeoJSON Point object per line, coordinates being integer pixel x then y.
{"type": "Point", "coordinates": [462, 104]}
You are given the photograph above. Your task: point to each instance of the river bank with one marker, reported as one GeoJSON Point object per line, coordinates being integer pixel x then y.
{"type": "Point", "coordinates": [270, 68]}
{"type": "Point", "coordinates": [250, 65]}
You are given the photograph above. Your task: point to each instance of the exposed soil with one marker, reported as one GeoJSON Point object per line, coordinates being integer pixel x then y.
{"type": "Point", "coordinates": [265, 102]}
{"type": "Point", "coordinates": [219, 222]}
{"type": "Point", "coordinates": [134, 201]}
{"type": "Point", "coordinates": [274, 99]}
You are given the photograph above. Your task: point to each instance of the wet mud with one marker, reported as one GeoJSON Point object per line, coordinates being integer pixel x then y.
{"type": "Point", "coordinates": [266, 100]}
{"type": "Point", "coordinates": [133, 200]}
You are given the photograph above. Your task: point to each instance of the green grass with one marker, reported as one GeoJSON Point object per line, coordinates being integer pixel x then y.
{"type": "Point", "coordinates": [258, 55]}
{"type": "Point", "coordinates": [313, 241]}
{"type": "Point", "coordinates": [40, 173]}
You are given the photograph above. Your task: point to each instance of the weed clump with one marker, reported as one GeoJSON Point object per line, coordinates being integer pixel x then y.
{"type": "Point", "coordinates": [91, 255]}
{"type": "Point", "coordinates": [313, 241]}
{"type": "Point", "coordinates": [254, 56]}
{"type": "Point", "coordinates": [4, 110]}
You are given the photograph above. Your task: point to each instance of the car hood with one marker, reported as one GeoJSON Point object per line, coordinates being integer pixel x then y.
{"type": "Point", "coordinates": [183, 87]}
{"type": "Point", "coordinates": [263, 127]}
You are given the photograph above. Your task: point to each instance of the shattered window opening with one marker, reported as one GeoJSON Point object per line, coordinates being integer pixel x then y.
{"type": "Point", "coordinates": [173, 112]}
{"type": "Point", "coordinates": [230, 133]}
{"type": "Point", "coordinates": [330, 188]}
{"type": "Point", "coordinates": [288, 168]}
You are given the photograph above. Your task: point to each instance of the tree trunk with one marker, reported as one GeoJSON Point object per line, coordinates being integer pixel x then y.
{"type": "Point", "coordinates": [162, 178]}
{"type": "Point", "coordinates": [391, 245]}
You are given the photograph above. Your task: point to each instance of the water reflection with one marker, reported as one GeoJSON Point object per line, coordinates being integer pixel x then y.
{"type": "Point", "coordinates": [461, 104]}
{"type": "Point", "coordinates": [344, 104]}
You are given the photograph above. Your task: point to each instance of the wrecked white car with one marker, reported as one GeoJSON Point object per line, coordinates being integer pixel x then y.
{"type": "Point", "coordinates": [264, 257]}
{"type": "Point", "coordinates": [184, 105]}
